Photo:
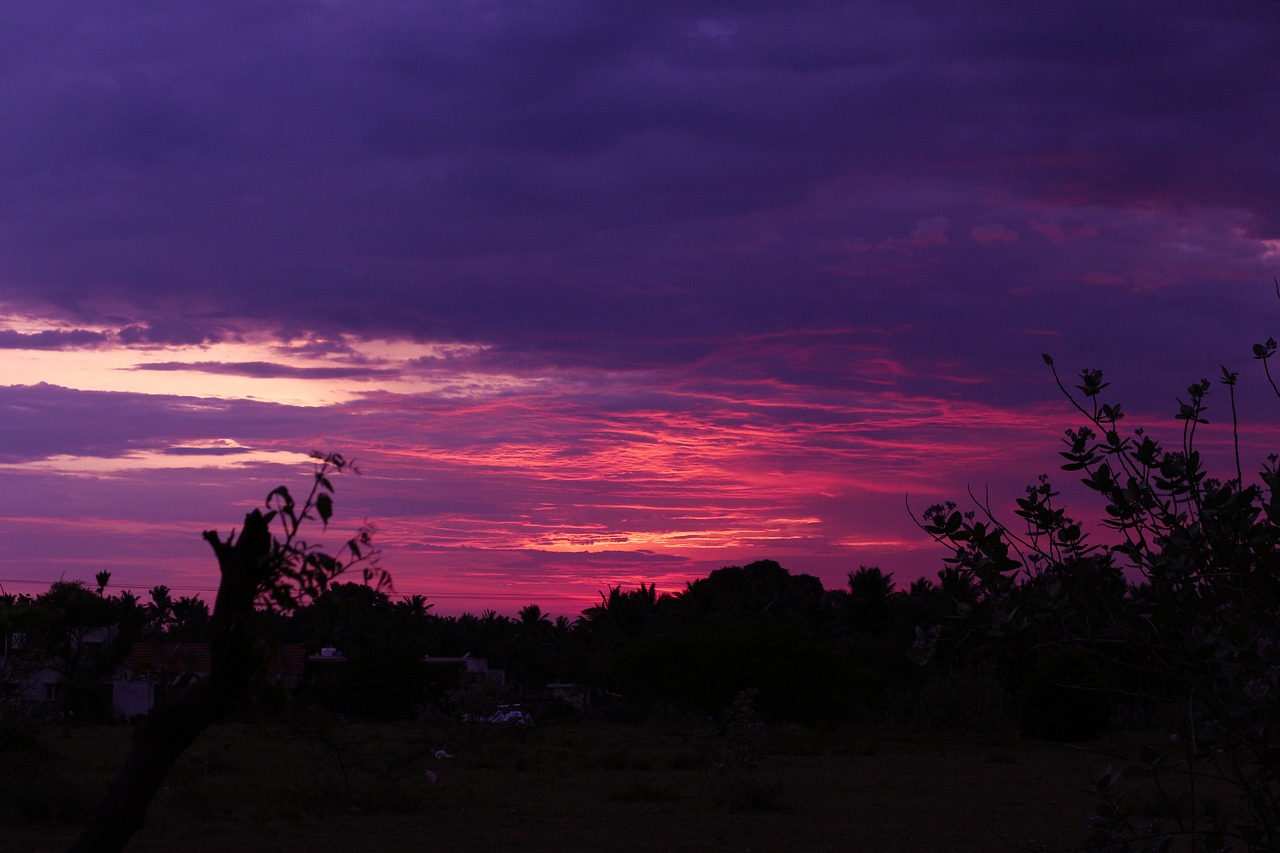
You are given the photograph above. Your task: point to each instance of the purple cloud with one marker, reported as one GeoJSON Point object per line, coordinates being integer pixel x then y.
{"type": "Point", "coordinates": [51, 339]}
{"type": "Point", "coordinates": [380, 169]}
{"type": "Point", "coordinates": [184, 330]}
{"type": "Point", "coordinates": [992, 234]}
{"type": "Point", "coordinates": [769, 261]}
{"type": "Point", "coordinates": [266, 370]}
{"type": "Point", "coordinates": [44, 421]}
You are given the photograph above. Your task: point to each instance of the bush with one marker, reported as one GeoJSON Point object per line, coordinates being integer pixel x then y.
{"type": "Point", "coordinates": [1066, 697]}
{"type": "Point", "coordinates": [736, 755]}
{"type": "Point", "coordinates": [35, 787]}
{"type": "Point", "coordinates": [964, 701]}
{"type": "Point", "coordinates": [20, 728]}
{"type": "Point", "coordinates": [1196, 634]}
{"type": "Point", "coordinates": [705, 666]}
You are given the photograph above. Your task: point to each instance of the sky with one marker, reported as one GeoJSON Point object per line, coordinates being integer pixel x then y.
{"type": "Point", "coordinates": [608, 293]}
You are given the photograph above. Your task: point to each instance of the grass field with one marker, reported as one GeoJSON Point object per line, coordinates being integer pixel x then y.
{"type": "Point", "coordinates": [569, 785]}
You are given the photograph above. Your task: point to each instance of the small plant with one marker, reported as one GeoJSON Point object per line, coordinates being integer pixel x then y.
{"type": "Point", "coordinates": [737, 755]}
{"type": "Point", "coordinates": [364, 774]}
{"type": "Point", "coordinates": [964, 701]}
{"type": "Point", "coordinates": [19, 726]}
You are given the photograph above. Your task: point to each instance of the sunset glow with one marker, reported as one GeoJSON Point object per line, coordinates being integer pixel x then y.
{"type": "Point", "coordinates": [608, 298]}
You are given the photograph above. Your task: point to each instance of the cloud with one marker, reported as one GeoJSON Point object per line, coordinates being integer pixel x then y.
{"type": "Point", "coordinates": [265, 370]}
{"type": "Point", "coordinates": [224, 447]}
{"type": "Point", "coordinates": [45, 421]}
{"type": "Point", "coordinates": [987, 234]}
{"type": "Point", "coordinates": [621, 277]}
{"type": "Point", "coordinates": [1061, 233]}
{"type": "Point", "coordinates": [52, 339]}
{"type": "Point", "coordinates": [382, 170]}
{"type": "Point", "coordinates": [177, 331]}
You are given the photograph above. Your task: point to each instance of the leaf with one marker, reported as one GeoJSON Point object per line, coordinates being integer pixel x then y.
{"type": "Point", "coordinates": [283, 493]}
{"type": "Point", "coordinates": [324, 506]}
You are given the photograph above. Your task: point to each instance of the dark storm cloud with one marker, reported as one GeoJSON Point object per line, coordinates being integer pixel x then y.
{"type": "Point", "coordinates": [517, 174]}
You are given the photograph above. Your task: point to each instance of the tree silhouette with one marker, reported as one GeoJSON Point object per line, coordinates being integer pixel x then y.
{"type": "Point", "coordinates": [275, 569]}
{"type": "Point", "coordinates": [160, 608]}
{"type": "Point", "coordinates": [190, 619]}
{"type": "Point", "coordinates": [869, 594]}
{"type": "Point", "coordinates": [533, 656]}
{"type": "Point", "coordinates": [762, 588]}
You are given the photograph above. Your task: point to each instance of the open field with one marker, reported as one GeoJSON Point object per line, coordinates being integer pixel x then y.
{"type": "Point", "coordinates": [573, 785]}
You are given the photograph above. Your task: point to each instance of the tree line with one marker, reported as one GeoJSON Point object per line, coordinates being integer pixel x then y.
{"type": "Point", "coordinates": [811, 651]}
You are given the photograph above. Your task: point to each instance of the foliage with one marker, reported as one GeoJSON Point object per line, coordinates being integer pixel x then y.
{"type": "Point", "coordinates": [358, 771]}
{"type": "Point", "coordinates": [1065, 695]}
{"type": "Point", "coordinates": [276, 571]}
{"type": "Point", "coordinates": [761, 588]}
{"type": "Point", "coordinates": [736, 756]}
{"type": "Point", "coordinates": [1195, 631]}
{"type": "Point", "coordinates": [964, 701]}
{"type": "Point", "coordinates": [295, 570]}
{"type": "Point", "coordinates": [795, 675]}
{"type": "Point", "coordinates": [72, 631]}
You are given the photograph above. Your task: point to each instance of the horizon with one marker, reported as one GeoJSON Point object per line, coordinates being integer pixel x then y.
{"type": "Point", "coordinates": [602, 297]}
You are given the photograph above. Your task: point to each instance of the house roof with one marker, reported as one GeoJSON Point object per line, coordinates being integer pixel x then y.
{"type": "Point", "coordinates": [161, 657]}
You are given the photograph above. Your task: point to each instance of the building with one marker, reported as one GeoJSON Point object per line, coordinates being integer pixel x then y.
{"type": "Point", "coordinates": [153, 668]}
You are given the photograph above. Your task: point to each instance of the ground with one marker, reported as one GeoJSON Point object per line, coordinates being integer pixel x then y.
{"type": "Point", "coordinates": [571, 785]}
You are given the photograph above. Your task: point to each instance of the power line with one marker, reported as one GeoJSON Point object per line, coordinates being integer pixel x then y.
{"type": "Point", "coordinates": [501, 596]}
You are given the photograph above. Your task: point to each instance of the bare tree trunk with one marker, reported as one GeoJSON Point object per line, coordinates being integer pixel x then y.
{"type": "Point", "coordinates": [179, 719]}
